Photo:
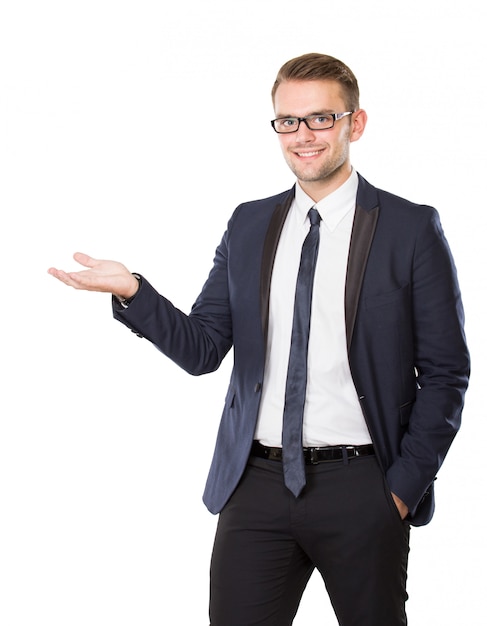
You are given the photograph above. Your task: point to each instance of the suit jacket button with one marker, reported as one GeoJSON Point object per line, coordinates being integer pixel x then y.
{"type": "Point", "coordinates": [258, 387]}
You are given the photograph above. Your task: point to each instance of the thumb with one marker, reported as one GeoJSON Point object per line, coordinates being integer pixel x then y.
{"type": "Point", "coordinates": [84, 259]}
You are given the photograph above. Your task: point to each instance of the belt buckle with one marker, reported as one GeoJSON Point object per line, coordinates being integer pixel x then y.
{"type": "Point", "coordinates": [313, 458]}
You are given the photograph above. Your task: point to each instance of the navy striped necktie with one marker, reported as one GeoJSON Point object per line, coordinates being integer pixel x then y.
{"type": "Point", "coordinates": [297, 374]}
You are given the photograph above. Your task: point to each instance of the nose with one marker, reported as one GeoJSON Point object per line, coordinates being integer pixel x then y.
{"type": "Point", "coordinates": [304, 133]}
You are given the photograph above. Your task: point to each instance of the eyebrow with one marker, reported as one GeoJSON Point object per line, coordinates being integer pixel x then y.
{"type": "Point", "coordinates": [325, 112]}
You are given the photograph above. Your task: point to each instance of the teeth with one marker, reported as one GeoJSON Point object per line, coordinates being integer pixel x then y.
{"type": "Point", "coordinates": [308, 154]}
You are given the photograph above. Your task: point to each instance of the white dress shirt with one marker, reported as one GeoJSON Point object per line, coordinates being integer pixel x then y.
{"type": "Point", "coordinates": [332, 413]}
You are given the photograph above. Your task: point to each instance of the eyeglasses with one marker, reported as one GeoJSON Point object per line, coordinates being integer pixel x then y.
{"type": "Point", "coordinates": [324, 121]}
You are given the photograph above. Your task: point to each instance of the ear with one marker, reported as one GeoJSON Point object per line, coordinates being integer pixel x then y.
{"type": "Point", "coordinates": [357, 126]}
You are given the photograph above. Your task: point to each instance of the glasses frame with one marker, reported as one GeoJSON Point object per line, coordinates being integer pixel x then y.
{"type": "Point", "coordinates": [335, 116]}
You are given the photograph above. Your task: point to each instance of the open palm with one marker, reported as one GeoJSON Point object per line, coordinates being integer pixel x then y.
{"type": "Point", "coordinates": [102, 275]}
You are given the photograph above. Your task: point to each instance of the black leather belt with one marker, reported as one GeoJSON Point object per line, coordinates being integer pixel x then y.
{"type": "Point", "coordinates": [313, 456]}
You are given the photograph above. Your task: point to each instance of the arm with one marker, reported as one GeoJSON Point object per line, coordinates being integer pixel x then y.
{"type": "Point", "coordinates": [197, 343]}
{"type": "Point", "coordinates": [442, 363]}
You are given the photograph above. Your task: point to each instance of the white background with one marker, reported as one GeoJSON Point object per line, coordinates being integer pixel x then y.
{"type": "Point", "coordinates": [115, 134]}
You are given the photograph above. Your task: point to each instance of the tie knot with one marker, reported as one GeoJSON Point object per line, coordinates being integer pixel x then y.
{"type": "Point", "coordinates": [314, 217]}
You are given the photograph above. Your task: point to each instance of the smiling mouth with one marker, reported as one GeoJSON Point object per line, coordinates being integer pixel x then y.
{"type": "Point", "coordinates": [307, 155]}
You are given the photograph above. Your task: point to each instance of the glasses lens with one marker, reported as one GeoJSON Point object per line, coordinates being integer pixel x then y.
{"type": "Point", "coordinates": [286, 125]}
{"type": "Point", "coordinates": [320, 122]}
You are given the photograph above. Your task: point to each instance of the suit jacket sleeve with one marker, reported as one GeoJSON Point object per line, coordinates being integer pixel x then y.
{"type": "Point", "coordinates": [197, 342]}
{"type": "Point", "coordinates": [441, 365]}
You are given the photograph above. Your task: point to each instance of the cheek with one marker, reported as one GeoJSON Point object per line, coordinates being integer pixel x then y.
{"type": "Point", "coordinates": [283, 142]}
{"type": "Point", "coordinates": [285, 145]}
{"type": "Point", "coordinates": [341, 141]}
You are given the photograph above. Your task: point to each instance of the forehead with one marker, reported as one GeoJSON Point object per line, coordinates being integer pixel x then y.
{"type": "Point", "coordinates": [304, 97]}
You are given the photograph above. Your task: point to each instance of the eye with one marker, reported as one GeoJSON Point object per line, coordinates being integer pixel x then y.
{"type": "Point", "coordinates": [288, 122]}
{"type": "Point", "coordinates": [322, 120]}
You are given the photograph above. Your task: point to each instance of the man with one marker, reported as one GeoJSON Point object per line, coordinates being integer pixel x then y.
{"type": "Point", "coordinates": [373, 338]}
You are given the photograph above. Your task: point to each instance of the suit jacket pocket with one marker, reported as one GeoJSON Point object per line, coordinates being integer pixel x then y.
{"type": "Point", "coordinates": [230, 398]}
{"type": "Point", "coordinates": [389, 298]}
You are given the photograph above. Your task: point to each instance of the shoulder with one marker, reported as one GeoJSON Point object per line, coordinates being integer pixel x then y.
{"type": "Point", "coordinates": [370, 197]}
{"type": "Point", "coordinates": [267, 203]}
{"type": "Point", "coordinates": [401, 224]}
{"type": "Point", "coordinates": [394, 211]}
{"type": "Point", "coordinates": [256, 214]}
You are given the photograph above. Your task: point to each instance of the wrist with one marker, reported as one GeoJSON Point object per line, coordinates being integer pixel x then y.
{"type": "Point", "coordinates": [401, 506]}
{"type": "Point", "coordinates": [125, 300]}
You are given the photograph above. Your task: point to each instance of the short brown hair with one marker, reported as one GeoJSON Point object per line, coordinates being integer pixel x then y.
{"type": "Point", "coordinates": [315, 66]}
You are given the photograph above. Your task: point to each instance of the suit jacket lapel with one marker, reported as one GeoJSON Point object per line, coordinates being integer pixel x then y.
{"type": "Point", "coordinates": [365, 221]}
{"type": "Point", "coordinates": [268, 255]}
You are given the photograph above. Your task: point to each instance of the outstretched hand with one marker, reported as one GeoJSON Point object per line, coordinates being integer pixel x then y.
{"type": "Point", "coordinates": [105, 276]}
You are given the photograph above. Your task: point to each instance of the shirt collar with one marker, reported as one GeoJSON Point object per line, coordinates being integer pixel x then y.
{"type": "Point", "coordinates": [332, 208]}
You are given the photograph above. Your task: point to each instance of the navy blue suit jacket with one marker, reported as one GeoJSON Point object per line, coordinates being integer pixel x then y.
{"type": "Point", "coordinates": [404, 322]}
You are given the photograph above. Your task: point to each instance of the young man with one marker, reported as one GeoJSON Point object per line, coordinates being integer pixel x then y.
{"type": "Point", "coordinates": [342, 305]}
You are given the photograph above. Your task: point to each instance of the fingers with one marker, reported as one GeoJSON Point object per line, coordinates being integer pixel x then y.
{"type": "Point", "coordinates": [81, 258]}
{"type": "Point", "coordinates": [84, 259]}
{"type": "Point", "coordinates": [64, 277]}
{"type": "Point", "coordinates": [74, 279]}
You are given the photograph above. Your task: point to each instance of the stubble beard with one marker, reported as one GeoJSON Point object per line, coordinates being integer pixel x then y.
{"type": "Point", "coordinates": [332, 167]}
